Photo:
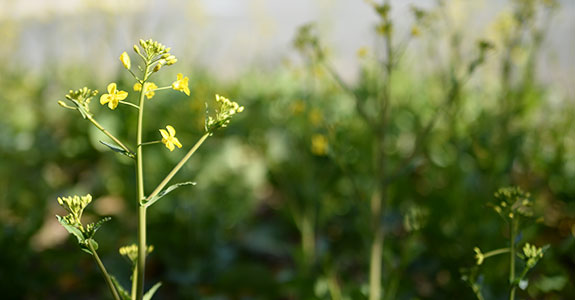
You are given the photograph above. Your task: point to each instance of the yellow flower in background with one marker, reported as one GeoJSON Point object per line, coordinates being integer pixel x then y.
{"type": "Point", "coordinates": [362, 52]}
{"type": "Point", "coordinates": [415, 32]}
{"type": "Point", "coordinates": [181, 84]}
{"type": "Point", "coordinates": [113, 97]}
{"type": "Point", "coordinates": [315, 117]}
{"type": "Point", "coordinates": [125, 59]}
{"type": "Point", "coordinates": [169, 138]}
{"type": "Point", "coordinates": [148, 89]}
{"type": "Point", "coordinates": [319, 144]}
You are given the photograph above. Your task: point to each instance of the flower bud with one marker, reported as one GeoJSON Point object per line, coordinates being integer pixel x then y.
{"type": "Point", "coordinates": [157, 67]}
{"type": "Point", "coordinates": [125, 59]}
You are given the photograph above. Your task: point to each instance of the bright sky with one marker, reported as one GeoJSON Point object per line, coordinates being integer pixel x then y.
{"type": "Point", "coordinates": [229, 35]}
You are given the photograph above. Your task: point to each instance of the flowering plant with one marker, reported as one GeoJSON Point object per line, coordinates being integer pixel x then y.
{"type": "Point", "coordinates": [153, 57]}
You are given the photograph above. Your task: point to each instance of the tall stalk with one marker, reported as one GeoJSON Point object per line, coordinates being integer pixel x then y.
{"type": "Point", "coordinates": [141, 262]}
{"type": "Point", "coordinates": [378, 197]}
{"type": "Point", "coordinates": [104, 272]}
{"type": "Point", "coordinates": [512, 234]}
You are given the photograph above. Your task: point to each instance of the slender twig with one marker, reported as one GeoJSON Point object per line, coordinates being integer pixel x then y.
{"type": "Point", "coordinates": [130, 104]}
{"type": "Point", "coordinates": [495, 252]}
{"type": "Point", "coordinates": [420, 138]}
{"type": "Point", "coordinates": [357, 98]}
{"type": "Point", "coordinates": [134, 75]}
{"type": "Point", "coordinates": [134, 283]}
{"type": "Point", "coordinates": [149, 143]}
{"type": "Point", "coordinates": [512, 235]}
{"type": "Point", "coordinates": [116, 140]}
{"type": "Point", "coordinates": [161, 88]}
{"type": "Point", "coordinates": [175, 170]}
{"type": "Point", "coordinates": [104, 272]}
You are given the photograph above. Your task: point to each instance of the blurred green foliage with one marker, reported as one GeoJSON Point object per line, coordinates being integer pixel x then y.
{"type": "Point", "coordinates": [280, 210]}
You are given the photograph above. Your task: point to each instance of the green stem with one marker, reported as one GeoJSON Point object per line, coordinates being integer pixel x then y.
{"type": "Point", "coordinates": [308, 238]}
{"type": "Point", "coordinates": [377, 200]}
{"type": "Point", "coordinates": [162, 88]}
{"type": "Point", "coordinates": [495, 252]}
{"type": "Point", "coordinates": [176, 169]}
{"type": "Point", "coordinates": [334, 288]}
{"type": "Point", "coordinates": [141, 262]}
{"type": "Point", "coordinates": [130, 104]}
{"type": "Point", "coordinates": [149, 143]}
{"type": "Point", "coordinates": [134, 283]}
{"type": "Point", "coordinates": [135, 77]}
{"type": "Point", "coordinates": [375, 262]}
{"type": "Point", "coordinates": [512, 233]}
{"type": "Point", "coordinates": [109, 134]}
{"type": "Point", "coordinates": [104, 272]}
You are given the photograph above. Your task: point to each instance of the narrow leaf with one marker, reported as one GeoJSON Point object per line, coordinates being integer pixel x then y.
{"type": "Point", "coordinates": [123, 293]}
{"type": "Point", "coordinates": [150, 293]}
{"type": "Point", "coordinates": [118, 149]}
{"type": "Point", "coordinates": [166, 191]}
{"type": "Point", "coordinates": [71, 229]}
{"type": "Point", "coordinates": [92, 228]}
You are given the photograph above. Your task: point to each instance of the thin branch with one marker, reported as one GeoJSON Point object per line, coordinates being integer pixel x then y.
{"type": "Point", "coordinates": [104, 272]}
{"type": "Point", "coordinates": [175, 169]}
{"type": "Point", "coordinates": [358, 99]}
{"type": "Point", "coordinates": [116, 140]}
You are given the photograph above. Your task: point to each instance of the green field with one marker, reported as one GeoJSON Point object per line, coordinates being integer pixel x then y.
{"type": "Point", "coordinates": [368, 176]}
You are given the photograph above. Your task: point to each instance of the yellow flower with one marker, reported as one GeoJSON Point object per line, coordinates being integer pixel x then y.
{"type": "Point", "coordinates": [479, 256]}
{"type": "Point", "coordinates": [113, 97]}
{"type": "Point", "coordinates": [181, 84]}
{"type": "Point", "coordinates": [125, 59]}
{"type": "Point", "coordinates": [148, 90]}
{"type": "Point", "coordinates": [169, 138]}
{"type": "Point", "coordinates": [319, 144]}
{"type": "Point", "coordinates": [415, 31]}
{"type": "Point", "coordinates": [362, 52]}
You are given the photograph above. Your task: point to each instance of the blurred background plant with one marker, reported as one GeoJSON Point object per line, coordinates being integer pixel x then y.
{"type": "Point", "coordinates": [281, 210]}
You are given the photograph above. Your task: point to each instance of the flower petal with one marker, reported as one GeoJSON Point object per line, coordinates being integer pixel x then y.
{"type": "Point", "coordinates": [112, 88]}
{"type": "Point", "coordinates": [121, 95]}
{"type": "Point", "coordinates": [113, 103]}
{"type": "Point", "coordinates": [164, 134]}
{"type": "Point", "coordinates": [176, 142]}
{"type": "Point", "coordinates": [105, 98]}
{"type": "Point", "coordinates": [170, 146]}
{"type": "Point", "coordinates": [171, 130]}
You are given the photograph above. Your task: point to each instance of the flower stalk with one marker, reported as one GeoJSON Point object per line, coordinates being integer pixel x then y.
{"type": "Point", "coordinates": [104, 272]}
{"type": "Point", "coordinates": [141, 262]}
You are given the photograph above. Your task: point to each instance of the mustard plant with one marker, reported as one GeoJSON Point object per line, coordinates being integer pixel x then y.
{"type": "Point", "coordinates": [375, 102]}
{"type": "Point", "coordinates": [516, 208]}
{"type": "Point", "coordinates": [153, 56]}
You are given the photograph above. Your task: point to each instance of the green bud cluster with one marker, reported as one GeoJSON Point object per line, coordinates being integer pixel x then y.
{"type": "Point", "coordinates": [513, 201]}
{"type": "Point", "coordinates": [155, 54]}
{"type": "Point", "coordinates": [131, 252]}
{"type": "Point", "coordinates": [80, 100]}
{"type": "Point", "coordinates": [227, 109]}
{"type": "Point", "coordinates": [307, 40]}
{"type": "Point", "coordinates": [532, 254]}
{"type": "Point", "coordinates": [75, 205]}
{"type": "Point", "coordinates": [385, 26]}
